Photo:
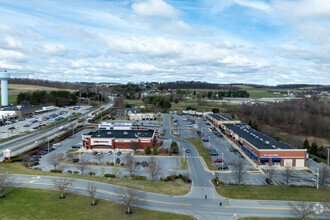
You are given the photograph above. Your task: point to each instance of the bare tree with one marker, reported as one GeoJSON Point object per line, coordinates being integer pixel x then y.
{"type": "Point", "coordinates": [324, 174]}
{"type": "Point", "coordinates": [155, 169]}
{"type": "Point", "coordinates": [53, 159]}
{"type": "Point", "coordinates": [131, 166]}
{"type": "Point", "coordinates": [302, 209]}
{"type": "Point", "coordinates": [91, 189]}
{"type": "Point", "coordinates": [134, 146]}
{"type": "Point", "coordinates": [288, 173]}
{"type": "Point", "coordinates": [4, 183]}
{"type": "Point", "coordinates": [83, 165]}
{"type": "Point", "coordinates": [99, 157]}
{"type": "Point", "coordinates": [130, 197]}
{"type": "Point", "coordinates": [70, 156]}
{"type": "Point", "coordinates": [62, 184]}
{"type": "Point", "coordinates": [271, 172]}
{"type": "Point", "coordinates": [239, 168]}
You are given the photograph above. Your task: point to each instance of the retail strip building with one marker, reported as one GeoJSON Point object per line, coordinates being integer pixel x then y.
{"type": "Point", "coordinates": [262, 149]}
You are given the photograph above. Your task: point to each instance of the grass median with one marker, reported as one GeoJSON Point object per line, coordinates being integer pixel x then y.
{"type": "Point", "coordinates": [175, 188]}
{"type": "Point", "coordinates": [27, 203]}
{"type": "Point", "coordinates": [203, 152]}
{"type": "Point", "coordinates": [273, 193]}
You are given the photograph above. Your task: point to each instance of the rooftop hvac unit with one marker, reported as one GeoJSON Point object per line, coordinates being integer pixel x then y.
{"type": "Point", "coordinates": [261, 139]}
{"type": "Point", "coordinates": [109, 132]}
{"type": "Point", "coordinates": [273, 146]}
{"type": "Point", "coordinates": [125, 133]}
{"type": "Point", "coordinates": [267, 142]}
{"type": "Point", "coordinates": [99, 135]}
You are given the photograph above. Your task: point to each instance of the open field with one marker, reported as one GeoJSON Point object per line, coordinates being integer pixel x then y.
{"type": "Point", "coordinates": [203, 152]}
{"type": "Point", "coordinates": [175, 188]}
{"type": "Point", "coordinates": [27, 203]}
{"type": "Point", "coordinates": [14, 89]}
{"type": "Point", "coordinates": [273, 193]}
{"type": "Point", "coordinates": [12, 99]}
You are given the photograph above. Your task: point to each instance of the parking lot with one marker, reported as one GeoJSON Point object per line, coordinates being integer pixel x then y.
{"type": "Point", "coordinates": [167, 162]}
{"type": "Point", "coordinates": [33, 123]}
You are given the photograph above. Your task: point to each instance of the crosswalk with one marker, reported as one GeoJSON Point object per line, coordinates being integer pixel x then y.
{"type": "Point", "coordinates": [193, 157]}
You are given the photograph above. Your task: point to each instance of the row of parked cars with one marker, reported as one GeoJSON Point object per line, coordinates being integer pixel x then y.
{"type": "Point", "coordinates": [219, 162]}
{"type": "Point", "coordinates": [34, 160]}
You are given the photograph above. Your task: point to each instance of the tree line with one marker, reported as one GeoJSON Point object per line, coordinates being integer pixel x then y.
{"type": "Point", "coordinates": [57, 98]}
{"type": "Point", "coordinates": [46, 83]}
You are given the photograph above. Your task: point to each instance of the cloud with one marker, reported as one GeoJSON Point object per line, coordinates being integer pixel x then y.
{"type": "Point", "coordinates": [158, 8]}
{"type": "Point", "coordinates": [220, 5]}
{"type": "Point", "coordinates": [56, 49]}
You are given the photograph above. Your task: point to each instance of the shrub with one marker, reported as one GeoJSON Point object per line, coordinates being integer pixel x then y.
{"type": "Point", "coordinates": [112, 163]}
{"type": "Point", "coordinates": [148, 150]}
{"type": "Point", "coordinates": [186, 179]}
{"type": "Point", "coordinates": [8, 161]}
{"type": "Point", "coordinates": [91, 173]}
{"type": "Point", "coordinates": [154, 150]}
{"type": "Point", "coordinates": [122, 164]}
{"type": "Point", "coordinates": [70, 171]}
{"type": "Point", "coordinates": [140, 177]}
{"type": "Point", "coordinates": [108, 163]}
{"type": "Point", "coordinates": [75, 172]}
{"type": "Point", "coordinates": [107, 175]}
{"type": "Point", "coordinates": [56, 171]}
{"type": "Point", "coordinates": [302, 186]}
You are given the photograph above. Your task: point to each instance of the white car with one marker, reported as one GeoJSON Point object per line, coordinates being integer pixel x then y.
{"type": "Point", "coordinates": [99, 152]}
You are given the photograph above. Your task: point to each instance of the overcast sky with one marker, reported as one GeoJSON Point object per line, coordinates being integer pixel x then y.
{"type": "Point", "coordinates": [219, 41]}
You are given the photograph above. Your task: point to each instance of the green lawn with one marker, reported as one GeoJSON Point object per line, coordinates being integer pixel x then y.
{"type": "Point", "coordinates": [11, 99]}
{"type": "Point", "coordinates": [175, 188]}
{"type": "Point", "coordinates": [203, 152]}
{"type": "Point", "coordinates": [257, 93]}
{"type": "Point", "coordinates": [26, 203]}
{"type": "Point", "coordinates": [273, 193]}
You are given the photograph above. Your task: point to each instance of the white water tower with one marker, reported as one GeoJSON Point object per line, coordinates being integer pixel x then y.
{"type": "Point", "coordinates": [4, 76]}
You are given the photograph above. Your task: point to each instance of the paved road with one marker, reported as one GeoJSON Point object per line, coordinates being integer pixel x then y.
{"type": "Point", "coordinates": [188, 204]}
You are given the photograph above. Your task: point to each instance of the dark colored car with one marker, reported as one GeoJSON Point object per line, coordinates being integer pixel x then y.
{"type": "Point", "coordinates": [317, 160]}
{"type": "Point", "coordinates": [213, 153]}
{"type": "Point", "coordinates": [118, 153]}
{"type": "Point", "coordinates": [187, 151]}
{"type": "Point", "coordinates": [27, 125]}
{"type": "Point", "coordinates": [117, 161]}
{"type": "Point", "coordinates": [36, 156]}
{"type": "Point", "coordinates": [76, 146]}
{"type": "Point", "coordinates": [34, 159]}
{"type": "Point", "coordinates": [75, 160]}
{"type": "Point", "coordinates": [144, 164]}
{"type": "Point", "coordinates": [222, 166]}
{"type": "Point", "coordinates": [35, 163]}
{"type": "Point", "coordinates": [37, 127]}
{"type": "Point", "coordinates": [94, 152]}
{"type": "Point", "coordinates": [269, 181]}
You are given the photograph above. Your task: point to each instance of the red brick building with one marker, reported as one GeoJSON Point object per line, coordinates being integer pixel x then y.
{"type": "Point", "coordinates": [262, 149]}
{"type": "Point", "coordinates": [122, 139]}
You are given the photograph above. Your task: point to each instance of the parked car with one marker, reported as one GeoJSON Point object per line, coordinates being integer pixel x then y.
{"type": "Point", "coordinates": [33, 159]}
{"type": "Point", "coordinates": [187, 151]}
{"type": "Point", "coordinates": [94, 152]}
{"type": "Point", "coordinates": [222, 166]}
{"type": "Point", "coordinates": [26, 125]}
{"type": "Point", "coordinates": [118, 153]}
{"type": "Point", "coordinates": [317, 160]}
{"type": "Point", "coordinates": [12, 128]}
{"type": "Point", "coordinates": [40, 153]}
{"type": "Point", "coordinates": [144, 164]}
{"type": "Point", "coordinates": [44, 151]}
{"type": "Point", "coordinates": [58, 145]}
{"type": "Point", "coordinates": [36, 156]}
{"type": "Point", "coordinates": [110, 152]}
{"type": "Point", "coordinates": [35, 163]}
{"type": "Point", "coordinates": [117, 161]}
{"type": "Point", "coordinates": [269, 181]}
{"type": "Point", "coordinates": [76, 146]}
{"type": "Point", "coordinates": [213, 153]}
{"type": "Point", "coordinates": [99, 152]}
{"type": "Point", "coordinates": [218, 160]}
{"type": "Point", "coordinates": [21, 119]}
{"type": "Point", "coordinates": [37, 127]}
{"type": "Point", "coordinates": [75, 160]}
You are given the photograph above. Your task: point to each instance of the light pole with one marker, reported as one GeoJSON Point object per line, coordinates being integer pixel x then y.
{"type": "Point", "coordinates": [222, 160]}
{"type": "Point", "coordinates": [209, 142]}
{"type": "Point", "coordinates": [73, 131]}
{"type": "Point", "coordinates": [48, 144]}
{"type": "Point", "coordinates": [328, 155]}
{"type": "Point", "coordinates": [317, 178]}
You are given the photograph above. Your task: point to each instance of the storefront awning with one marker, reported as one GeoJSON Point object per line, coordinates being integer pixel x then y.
{"type": "Point", "coordinates": [264, 158]}
{"type": "Point", "coordinates": [277, 159]}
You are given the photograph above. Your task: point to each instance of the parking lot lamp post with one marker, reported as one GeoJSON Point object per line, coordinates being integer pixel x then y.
{"type": "Point", "coordinates": [328, 155]}
{"type": "Point", "coordinates": [222, 160]}
{"type": "Point", "coordinates": [48, 144]}
{"type": "Point", "coordinates": [209, 142]}
{"type": "Point", "coordinates": [317, 178]}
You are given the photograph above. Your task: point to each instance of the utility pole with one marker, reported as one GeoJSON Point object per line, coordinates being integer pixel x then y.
{"type": "Point", "coordinates": [48, 144]}
{"type": "Point", "coordinates": [222, 160]}
{"type": "Point", "coordinates": [209, 142]}
{"type": "Point", "coordinates": [328, 155]}
{"type": "Point", "coordinates": [73, 131]}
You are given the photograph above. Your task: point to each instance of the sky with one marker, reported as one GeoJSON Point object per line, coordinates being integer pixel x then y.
{"type": "Point", "coordinates": [218, 41]}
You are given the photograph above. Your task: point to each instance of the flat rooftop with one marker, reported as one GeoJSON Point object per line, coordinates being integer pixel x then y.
{"type": "Point", "coordinates": [19, 107]}
{"type": "Point", "coordinates": [221, 117]}
{"type": "Point", "coordinates": [256, 138]}
{"type": "Point", "coordinates": [147, 133]}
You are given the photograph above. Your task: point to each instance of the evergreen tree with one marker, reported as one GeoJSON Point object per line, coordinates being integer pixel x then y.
{"type": "Point", "coordinates": [148, 150]}
{"type": "Point", "coordinates": [306, 144]}
{"type": "Point", "coordinates": [154, 150]}
{"type": "Point", "coordinates": [176, 100]}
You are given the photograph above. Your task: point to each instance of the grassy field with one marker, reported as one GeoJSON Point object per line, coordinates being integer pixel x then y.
{"type": "Point", "coordinates": [167, 188]}
{"type": "Point", "coordinates": [203, 152]}
{"type": "Point", "coordinates": [273, 193]}
{"type": "Point", "coordinates": [257, 93]}
{"type": "Point", "coordinates": [11, 99]}
{"type": "Point", "coordinates": [15, 89]}
{"type": "Point", "coordinates": [26, 203]}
